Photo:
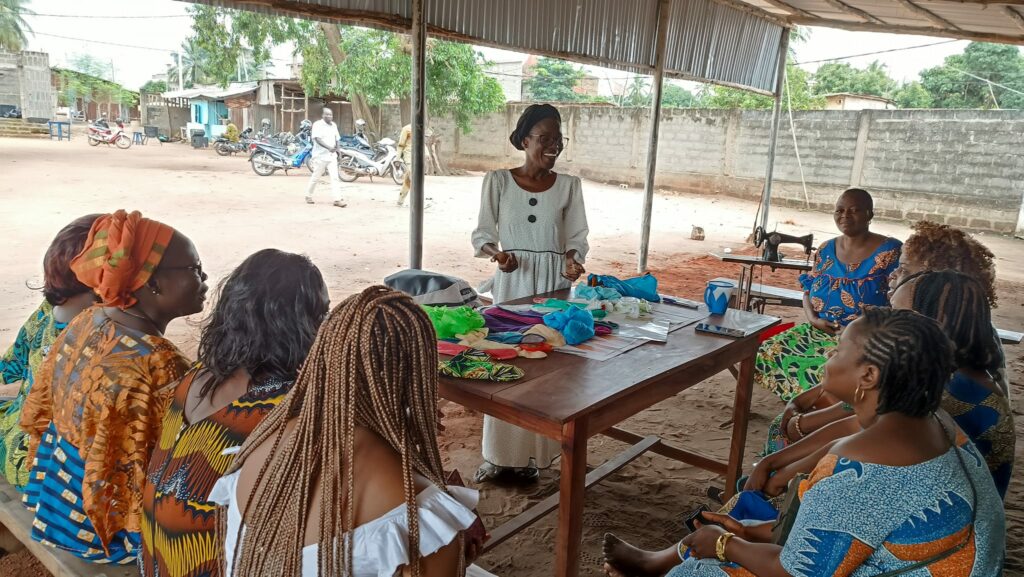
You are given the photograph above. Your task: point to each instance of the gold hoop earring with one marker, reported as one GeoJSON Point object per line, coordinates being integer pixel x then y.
{"type": "Point", "coordinates": [858, 395]}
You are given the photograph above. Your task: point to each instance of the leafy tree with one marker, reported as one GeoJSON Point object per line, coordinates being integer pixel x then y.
{"type": "Point", "coordinates": [13, 27]}
{"type": "Point", "coordinates": [836, 77]}
{"type": "Point", "coordinates": [637, 93]}
{"type": "Point", "coordinates": [675, 96]}
{"type": "Point", "coordinates": [193, 60]}
{"type": "Point", "coordinates": [154, 86]}
{"type": "Point", "coordinates": [553, 80]}
{"type": "Point", "coordinates": [912, 95]}
{"type": "Point", "coordinates": [960, 82]}
{"type": "Point", "coordinates": [798, 84]}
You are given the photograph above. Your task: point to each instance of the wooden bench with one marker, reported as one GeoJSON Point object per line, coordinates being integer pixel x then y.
{"type": "Point", "coordinates": [772, 295]}
{"type": "Point", "coordinates": [18, 521]}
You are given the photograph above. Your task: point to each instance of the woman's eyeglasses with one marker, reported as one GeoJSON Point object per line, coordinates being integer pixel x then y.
{"type": "Point", "coordinates": [546, 140]}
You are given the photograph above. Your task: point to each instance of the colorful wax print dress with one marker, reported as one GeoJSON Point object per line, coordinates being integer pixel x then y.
{"type": "Point", "coordinates": [790, 362]}
{"type": "Point", "coordinates": [987, 419]}
{"type": "Point", "coordinates": [179, 527]}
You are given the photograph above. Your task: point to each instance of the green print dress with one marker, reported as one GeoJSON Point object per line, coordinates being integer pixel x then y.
{"type": "Point", "coordinates": [790, 362]}
{"type": "Point", "coordinates": [19, 365]}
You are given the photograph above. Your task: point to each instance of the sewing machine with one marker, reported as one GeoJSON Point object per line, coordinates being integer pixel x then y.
{"type": "Point", "coordinates": [772, 240]}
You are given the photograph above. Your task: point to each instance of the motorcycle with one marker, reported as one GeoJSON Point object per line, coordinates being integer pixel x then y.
{"type": "Point", "coordinates": [225, 147]}
{"type": "Point", "coordinates": [100, 132]}
{"type": "Point", "coordinates": [267, 159]}
{"type": "Point", "coordinates": [384, 161]}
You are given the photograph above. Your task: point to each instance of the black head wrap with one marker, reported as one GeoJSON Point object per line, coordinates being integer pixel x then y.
{"type": "Point", "coordinates": [533, 114]}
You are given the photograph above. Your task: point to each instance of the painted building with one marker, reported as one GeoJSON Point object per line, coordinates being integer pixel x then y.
{"type": "Point", "coordinates": [845, 101]}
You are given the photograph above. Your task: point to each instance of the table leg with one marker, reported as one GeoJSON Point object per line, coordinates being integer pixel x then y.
{"type": "Point", "coordinates": [572, 494]}
{"type": "Point", "coordinates": [740, 420]}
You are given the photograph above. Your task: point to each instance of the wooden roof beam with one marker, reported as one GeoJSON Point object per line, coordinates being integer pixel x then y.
{"type": "Point", "coordinates": [844, 7]}
{"type": "Point", "coordinates": [962, 34]}
{"type": "Point", "coordinates": [1015, 15]}
{"type": "Point", "coordinates": [931, 16]}
{"type": "Point", "coordinates": [789, 9]}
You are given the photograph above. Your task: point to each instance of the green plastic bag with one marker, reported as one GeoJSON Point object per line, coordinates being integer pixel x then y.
{"type": "Point", "coordinates": [449, 322]}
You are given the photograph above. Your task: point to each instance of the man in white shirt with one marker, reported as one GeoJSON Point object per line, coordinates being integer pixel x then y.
{"type": "Point", "coordinates": [325, 157]}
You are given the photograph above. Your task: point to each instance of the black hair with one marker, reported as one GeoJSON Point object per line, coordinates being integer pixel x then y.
{"type": "Point", "coordinates": [862, 195]}
{"type": "Point", "coordinates": [268, 312]}
{"type": "Point", "coordinates": [59, 282]}
{"type": "Point", "coordinates": [958, 302]}
{"type": "Point", "coordinates": [533, 114]}
{"type": "Point", "coordinates": [914, 358]}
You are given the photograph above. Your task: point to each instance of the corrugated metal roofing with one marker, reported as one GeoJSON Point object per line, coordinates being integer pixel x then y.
{"type": "Point", "coordinates": [213, 92]}
{"type": "Point", "coordinates": [720, 41]}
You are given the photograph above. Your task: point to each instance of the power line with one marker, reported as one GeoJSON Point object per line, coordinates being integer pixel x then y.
{"type": "Point", "coordinates": [154, 49]}
{"type": "Point", "coordinates": [876, 52]}
{"type": "Point", "coordinates": [107, 17]}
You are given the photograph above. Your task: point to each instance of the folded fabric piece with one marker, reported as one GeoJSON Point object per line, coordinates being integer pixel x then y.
{"type": "Point", "coordinates": [514, 338]}
{"type": "Point", "coordinates": [449, 322]}
{"type": "Point", "coordinates": [480, 340]}
{"type": "Point", "coordinates": [478, 366]}
{"type": "Point", "coordinates": [550, 335]}
{"type": "Point", "coordinates": [499, 320]}
{"type": "Point", "coordinates": [643, 287]}
{"type": "Point", "coordinates": [576, 325]}
{"type": "Point", "coordinates": [561, 305]}
{"type": "Point", "coordinates": [537, 347]}
{"type": "Point", "coordinates": [601, 330]}
{"type": "Point", "coordinates": [454, 349]}
{"type": "Point", "coordinates": [599, 293]}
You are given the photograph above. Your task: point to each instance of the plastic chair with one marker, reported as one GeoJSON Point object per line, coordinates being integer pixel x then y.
{"type": "Point", "coordinates": [137, 138]}
{"type": "Point", "coordinates": [151, 132]}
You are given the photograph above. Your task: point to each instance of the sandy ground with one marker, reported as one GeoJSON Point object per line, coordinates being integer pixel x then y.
{"type": "Point", "coordinates": [230, 212]}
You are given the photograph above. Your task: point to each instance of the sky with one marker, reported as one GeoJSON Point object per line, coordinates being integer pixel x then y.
{"type": "Point", "coordinates": [151, 29]}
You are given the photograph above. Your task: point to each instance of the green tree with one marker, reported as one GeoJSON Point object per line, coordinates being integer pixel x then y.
{"type": "Point", "coordinates": [13, 28]}
{"type": "Point", "coordinates": [963, 80]}
{"type": "Point", "coordinates": [836, 77]}
{"type": "Point", "coordinates": [154, 86]}
{"type": "Point", "coordinates": [912, 95]}
{"type": "Point", "coordinates": [798, 85]}
{"type": "Point", "coordinates": [637, 93]}
{"type": "Point", "coordinates": [553, 80]}
{"type": "Point", "coordinates": [193, 61]}
{"type": "Point", "coordinates": [675, 96]}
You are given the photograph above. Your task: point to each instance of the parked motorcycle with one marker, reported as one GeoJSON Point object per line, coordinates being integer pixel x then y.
{"type": "Point", "coordinates": [353, 163]}
{"type": "Point", "coordinates": [267, 159]}
{"type": "Point", "coordinates": [100, 132]}
{"type": "Point", "coordinates": [225, 147]}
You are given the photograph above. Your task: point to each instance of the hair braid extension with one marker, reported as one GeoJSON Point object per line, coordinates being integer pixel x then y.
{"type": "Point", "coordinates": [914, 358]}
{"type": "Point", "coordinates": [959, 303]}
{"type": "Point", "coordinates": [374, 361]}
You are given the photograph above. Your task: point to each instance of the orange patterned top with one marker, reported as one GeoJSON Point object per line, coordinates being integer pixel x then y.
{"type": "Point", "coordinates": [105, 387]}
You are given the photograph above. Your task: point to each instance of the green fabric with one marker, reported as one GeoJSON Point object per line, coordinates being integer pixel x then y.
{"type": "Point", "coordinates": [790, 362]}
{"type": "Point", "coordinates": [449, 322]}
{"type": "Point", "coordinates": [474, 364]}
{"type": "Point", "coordinates": [561, 305]}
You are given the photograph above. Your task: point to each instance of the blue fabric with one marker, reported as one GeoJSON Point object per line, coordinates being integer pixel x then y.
{"type": "Point", "coordinates": [54, 493]}
{"type": "Point", "coordinates": [514, 338]}
{"type": "Point", "coordinates": [987, 419]}
{"type": "Point", "coordinates": [752, 506]}
{"type": "Point", "coordinates": [576, 325]}
{"type": "Point", "coordinates": [599, 293]}
{"type": "Point", "coordinates": [838, 290]}
{"type": "Point", "coordinates": [642, 287]}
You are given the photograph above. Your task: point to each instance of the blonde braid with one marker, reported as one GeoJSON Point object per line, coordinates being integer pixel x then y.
{"type": "Point", "coordinates": [374, 361]}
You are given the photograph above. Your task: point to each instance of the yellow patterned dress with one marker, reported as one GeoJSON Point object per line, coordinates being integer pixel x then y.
{"type": "Point", "coordinates": [18, 365]}
{"type": "Point", "coordinates": [93, 417]}
{"type": "Point", "coordinates": [790, 362]}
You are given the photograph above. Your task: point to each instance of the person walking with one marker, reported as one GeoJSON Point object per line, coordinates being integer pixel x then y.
{"type": "Point", "coordinates": [325, 157]}
{"type": "Point", "coordinates": [405, 151]}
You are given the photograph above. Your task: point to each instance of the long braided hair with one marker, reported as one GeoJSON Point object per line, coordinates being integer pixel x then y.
{"type": "Point", "coordinates": [914, 358]}
{"type": "Point", "coordinates": [373, 365]}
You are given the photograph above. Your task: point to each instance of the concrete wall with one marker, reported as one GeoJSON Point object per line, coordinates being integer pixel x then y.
{"type": "Point", "coordinates": [961, 167]}
{"type": "Point", "coordinates": [25, 83]}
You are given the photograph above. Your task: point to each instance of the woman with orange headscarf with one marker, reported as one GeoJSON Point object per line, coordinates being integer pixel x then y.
{"type": "Point", "coordinates": [94, 413]}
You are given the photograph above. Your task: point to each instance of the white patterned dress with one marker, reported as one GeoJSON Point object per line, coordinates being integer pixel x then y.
{"type": "Point", "coordinates": [539, 228]}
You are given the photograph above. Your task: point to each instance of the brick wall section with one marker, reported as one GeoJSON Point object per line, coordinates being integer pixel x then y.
{"type": "Point", "coordinates": [961, 167]}
{"type": "Point", "coordinates": [10, 79]}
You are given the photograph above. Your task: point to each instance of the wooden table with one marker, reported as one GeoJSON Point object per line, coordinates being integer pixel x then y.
{"type": "Point", "coordinates": [749, 263]}
{"type": "Point", "coordinates": [571, 399]}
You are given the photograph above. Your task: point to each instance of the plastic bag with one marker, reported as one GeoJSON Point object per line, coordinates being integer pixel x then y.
{"type": "Point", "coordinates": [576, 325]}
{"type": "Point", "coordinates": [449, 322]}
{"type": "Point", "coordinates": [642, 287]}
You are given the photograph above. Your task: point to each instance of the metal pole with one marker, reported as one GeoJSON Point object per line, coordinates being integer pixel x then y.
{"type": "Point", "coordinates": [780, 83]}
{"type": "Point", "coordinates": [664, 11]}
{"type": "Point", "coordinates": [419, 59]}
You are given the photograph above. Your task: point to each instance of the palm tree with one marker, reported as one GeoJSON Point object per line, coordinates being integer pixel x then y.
{"type": "Point", "coordinates": [192, 59]}
{"type": "Point", "coordinates": [13, 27]}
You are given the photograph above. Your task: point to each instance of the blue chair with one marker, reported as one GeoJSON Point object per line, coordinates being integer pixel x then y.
{"type": "Point", "coordinates": [138, 138]}
{"type": "Point", "coordinates": [63, 130]}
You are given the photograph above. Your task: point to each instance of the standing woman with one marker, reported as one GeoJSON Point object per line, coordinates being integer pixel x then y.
{"type": "Point", "coordinates": [534, 225]}
{"type": "Point", "coordinates": [64, 297]}
{"type": "Point", "coordinates": [94, 412]}
{"type": "Point", "coordinates": [250, 350]}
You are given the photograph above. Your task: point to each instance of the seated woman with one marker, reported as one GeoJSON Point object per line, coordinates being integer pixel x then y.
{"type": "Point", "coordinates": [64, 297]}
{"type": "Point", "coordinates": [94, 412]}
{"type": "Point", "coordinates": [850, 271]}
{"type": "Point", "coordinates": [350, 457]}
{"type": "Point", "coordinates": [250, 350]}
{"type": "Point", "coordinates": [909, 491]}
{"type": "Point", "coordinates": [931, 247]}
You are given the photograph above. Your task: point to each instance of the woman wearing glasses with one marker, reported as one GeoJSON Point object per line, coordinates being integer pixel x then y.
{"type": "Point", "coordinates": [93, 414]}
{"type": "Point", "coordinates": [533, 224]}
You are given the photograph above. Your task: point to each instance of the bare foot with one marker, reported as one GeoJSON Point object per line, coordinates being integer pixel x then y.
{"type": "Point", "coordinates": [625, 560]}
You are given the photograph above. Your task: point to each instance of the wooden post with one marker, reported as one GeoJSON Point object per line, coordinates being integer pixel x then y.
{"type": "Point", "coordinates": [780, 83]}
{"type": "Point", "coordinates": [419, 53]}
{"type": "Point", "coordinates": [664, 11]}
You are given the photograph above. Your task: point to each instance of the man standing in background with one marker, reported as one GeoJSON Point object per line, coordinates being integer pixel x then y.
{"type": "Point", "coordinates": [325, 157]}
{"type": "Point", "coordinates": [405, 151]}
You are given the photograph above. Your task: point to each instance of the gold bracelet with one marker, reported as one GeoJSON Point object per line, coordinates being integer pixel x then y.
{"type": "Point", "coordinates": [796, 425]}
{"type": "Point", "coordinates": [723, 540]}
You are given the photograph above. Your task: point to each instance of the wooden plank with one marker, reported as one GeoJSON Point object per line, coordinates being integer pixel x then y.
{"type": "Point", "coordinates": [549, 504]}
{"type": "Point", "coordinates": [1015, 15]}
{"type": "Point", "coordinates": [931, 16]}
{"type": "Point", "coordinates": [790, 9]}
{"type": "Point", "coordinates": [1010, 337]}
{"type": "Point", "coordinates": [665, 450]}
{"type": "Point", "coordinates": [844, 7]}
{"type": "Point", "coordinates": [961, 34]}
{"type": "Point", "coordinates": [740, 421]}
{"type": "Point", "coordinates": [18, 520]}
